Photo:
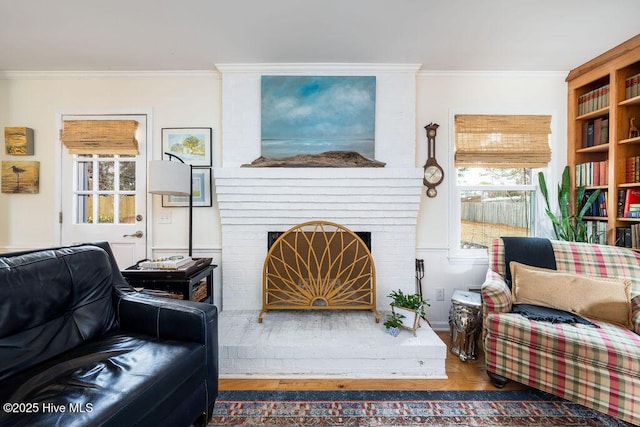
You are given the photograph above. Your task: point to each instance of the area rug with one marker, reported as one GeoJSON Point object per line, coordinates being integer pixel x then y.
{"type": "Point", "coordinates": [402, 408]}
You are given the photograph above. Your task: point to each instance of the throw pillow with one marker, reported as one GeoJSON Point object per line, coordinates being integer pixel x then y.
{"type": "Point", "coordinates": [600, 298]}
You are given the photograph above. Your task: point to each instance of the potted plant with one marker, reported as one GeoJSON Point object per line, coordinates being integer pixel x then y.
{"type": "Point", "coordinates": [410, 306]}
{"type": "Point", "coordinates": [393, 324]}
{"type": "Point", "coordinates": [568, 226]}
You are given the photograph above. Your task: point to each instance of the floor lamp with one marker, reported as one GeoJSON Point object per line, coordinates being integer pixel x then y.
{"type": "Point", "coordinates": [173, 179]}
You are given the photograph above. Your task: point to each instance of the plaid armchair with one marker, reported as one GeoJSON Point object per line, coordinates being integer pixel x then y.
{"type": "Point", "coordinates": [595, 367]}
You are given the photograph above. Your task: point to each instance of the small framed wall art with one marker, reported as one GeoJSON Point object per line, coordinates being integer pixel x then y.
{"type": "Point", "coordinates": [192, 145]}
{"type": "Point", "coordinates": [20, 177]}
{"type": "Point", "coordinates": [201, 181]}
{"type": "Point", "coordinates": [18, 141]}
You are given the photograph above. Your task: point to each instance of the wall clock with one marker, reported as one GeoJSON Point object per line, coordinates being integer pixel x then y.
{"type": "Point", "coordinates": [433, 173]}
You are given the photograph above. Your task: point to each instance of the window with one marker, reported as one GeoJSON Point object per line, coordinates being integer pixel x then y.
{"type": "Point", "coordinates": [107, 196]}
{"type": "Point", "coordinates": [495, 158]}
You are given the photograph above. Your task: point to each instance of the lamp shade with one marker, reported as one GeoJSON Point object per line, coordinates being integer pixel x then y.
{"type": "Point", "coordinates": [170, 178]}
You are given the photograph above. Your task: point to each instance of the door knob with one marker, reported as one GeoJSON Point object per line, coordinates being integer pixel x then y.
{"type": "Point", "coordinates": [138, 234]}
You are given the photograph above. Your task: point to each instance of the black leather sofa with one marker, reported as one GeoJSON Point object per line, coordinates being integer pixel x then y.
{"type": "Point", "coordinates": [79, 347]}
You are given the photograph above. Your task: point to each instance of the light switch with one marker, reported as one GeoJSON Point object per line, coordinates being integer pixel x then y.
{"type": "Point", "coordinates": [165, 218]}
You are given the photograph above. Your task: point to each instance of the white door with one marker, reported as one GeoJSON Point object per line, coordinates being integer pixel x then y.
{"type": "Point", "coordinates": [103, 197]}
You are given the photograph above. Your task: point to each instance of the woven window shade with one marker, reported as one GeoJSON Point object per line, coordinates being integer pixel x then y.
{"type": "Point", "coordinates": [502, 141]}
{"type": "Point", "coordinates": [100, 136]}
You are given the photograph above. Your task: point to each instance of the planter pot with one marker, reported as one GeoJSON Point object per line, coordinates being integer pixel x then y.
{"type": "Point", "coordinates": [411, 319]}
{"type": "Point", "coordinates": [393, 331]}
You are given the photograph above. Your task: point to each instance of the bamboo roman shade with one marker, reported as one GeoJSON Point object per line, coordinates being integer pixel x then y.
{"type": "Point", "coordinates": [100, 136]}
{"type": "Point", "coordinates": [500, 141]}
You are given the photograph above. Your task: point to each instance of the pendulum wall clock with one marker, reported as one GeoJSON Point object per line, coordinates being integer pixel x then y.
{"type": "Point", "coordinates": [433, 173]}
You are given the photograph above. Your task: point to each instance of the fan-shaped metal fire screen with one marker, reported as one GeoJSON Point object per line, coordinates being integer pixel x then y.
{"type": "Point", "coordinates": [319, 265]}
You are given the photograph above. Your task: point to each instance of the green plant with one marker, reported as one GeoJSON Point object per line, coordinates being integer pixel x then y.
{"type": "Point", "coordinates": [394, 320]}
{"type": "Point", "coordinates": [410, 301]}
{"type": "Point", "coordinates": [568, 226]}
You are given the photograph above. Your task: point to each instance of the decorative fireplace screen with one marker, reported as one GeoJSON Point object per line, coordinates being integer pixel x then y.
{"type": "Point", "coordinates": [319, 265]}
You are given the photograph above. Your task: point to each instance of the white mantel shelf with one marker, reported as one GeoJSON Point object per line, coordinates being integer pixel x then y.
{"type": "Point", "coordinates": [288, 196]}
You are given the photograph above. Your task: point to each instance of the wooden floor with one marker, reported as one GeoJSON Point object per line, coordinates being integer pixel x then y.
{"type": "Point", "coordinates": [469, 375]}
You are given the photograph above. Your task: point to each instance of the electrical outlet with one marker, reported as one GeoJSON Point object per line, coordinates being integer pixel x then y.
{"type": "Point", "coordinates": [440, 294]}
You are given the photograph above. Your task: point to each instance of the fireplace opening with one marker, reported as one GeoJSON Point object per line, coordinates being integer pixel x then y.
{"type": "Point", "coordinates": [272, 236]}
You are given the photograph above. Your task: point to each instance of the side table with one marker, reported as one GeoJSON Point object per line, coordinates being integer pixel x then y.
{"type": "Point", "coordinates": [193, 282]}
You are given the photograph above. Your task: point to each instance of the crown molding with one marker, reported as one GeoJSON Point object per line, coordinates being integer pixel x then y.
{"type": "Point", "coordinates": [462, 73]}
{"type": "Point", "coordinates": [318, 68]}
{"type": "Point", "coordinates": [93, 75]}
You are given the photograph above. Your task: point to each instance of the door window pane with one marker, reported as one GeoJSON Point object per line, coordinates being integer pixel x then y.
{"type": "Point", "coordinates": [84, 209]}
{"type": "Point", "coordinates": [85, 176]}
{"type": "Point", "coordinates": [105, 209]}
{"type": "Point", "coordinates": [127, 214]}
{"type": "Point", "coordinates": [127, 176]}
{"type": "Point", "coordinates": [106, 176]}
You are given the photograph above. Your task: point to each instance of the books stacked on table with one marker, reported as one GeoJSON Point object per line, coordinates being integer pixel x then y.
{"type": "Point", "coordinates": [169, 263]}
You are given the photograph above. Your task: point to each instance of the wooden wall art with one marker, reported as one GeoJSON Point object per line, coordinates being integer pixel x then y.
{"type": "Point", "coordinates": [20, 177]}
{"type": "Point", "coordinates": [18, 141]}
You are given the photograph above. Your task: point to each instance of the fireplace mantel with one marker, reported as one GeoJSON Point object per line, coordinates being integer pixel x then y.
{"type": "Point", "coordinates": [287, 196]}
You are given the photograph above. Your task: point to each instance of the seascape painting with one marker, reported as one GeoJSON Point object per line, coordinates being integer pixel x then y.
{"type": "Point", "coordinates": [20, 177]}
{"type": "Point", "coordinates": [314, 114]}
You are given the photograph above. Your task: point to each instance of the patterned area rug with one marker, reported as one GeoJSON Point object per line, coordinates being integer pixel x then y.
{"type": "Point", "coordinates": [402, 408]}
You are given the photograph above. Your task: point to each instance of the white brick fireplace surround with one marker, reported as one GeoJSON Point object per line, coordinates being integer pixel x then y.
{"type": "Point", "coordinates": [254, 201]}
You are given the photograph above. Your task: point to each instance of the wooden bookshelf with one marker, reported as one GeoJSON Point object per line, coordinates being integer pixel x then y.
{"type": "Point", "coordinates": [600, 91]}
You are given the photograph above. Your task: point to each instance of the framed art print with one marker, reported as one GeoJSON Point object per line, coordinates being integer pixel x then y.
{"type": "Point", "coordinates": [192, 145]}
{"type": "Point", "coordinates": [314, 114]}
{"type": "Point", "coordinates": [201, 181]}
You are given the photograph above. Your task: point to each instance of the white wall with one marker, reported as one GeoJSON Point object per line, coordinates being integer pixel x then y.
{"type": "Point", "coordinates": [35, 100]}
{"type": "Point", "coordinates": [195, 100]}
{"type": "Point", "coordinates": [440, 95]}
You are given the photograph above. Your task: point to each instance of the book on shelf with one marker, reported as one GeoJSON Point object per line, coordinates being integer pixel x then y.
{"type": "Point", "coordinates": [632, 86]}
{"type": "Point", "coordinates": [593, 100]}
{"type": "Point", "coordinates": [592, 174]}
{"type": "Point", "coordinates": [595, 132]}
{"type": "Point", "coordinates": [597, 232]}
{"type": "Point", "coordinates": [604, 131]}
{"type": "Point", "coordinates": [632, 169]}
{"type": "Point", "coordinates": [631, 203]}
{"type": "Point", "coordinates": [622, 193]}
{"type": "Point", "coordinates": [628, 236]}
{"type": "Point", "coordinates": [599, 206]}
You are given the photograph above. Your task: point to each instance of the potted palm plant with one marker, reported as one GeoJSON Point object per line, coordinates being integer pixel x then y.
{"type": "Point", "coordinates": [567, 225]}
{"type": "Point", "coordinates": [410, 306]}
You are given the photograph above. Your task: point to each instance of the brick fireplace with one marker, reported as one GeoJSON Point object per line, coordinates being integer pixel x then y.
{"type": "Point", "coordinates": [255, 201]}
